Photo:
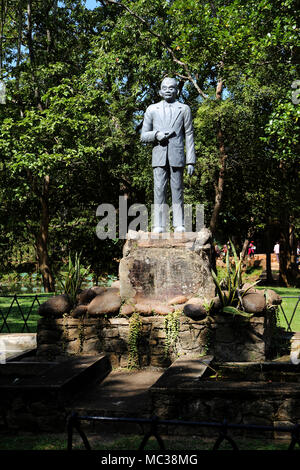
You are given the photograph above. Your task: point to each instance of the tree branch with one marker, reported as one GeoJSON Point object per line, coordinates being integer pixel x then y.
{"type": "Point", "coordinates": [163, 43]}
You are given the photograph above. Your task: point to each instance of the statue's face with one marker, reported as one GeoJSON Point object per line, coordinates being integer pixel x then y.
{"type": "Point", "coordinates": [168, 90]}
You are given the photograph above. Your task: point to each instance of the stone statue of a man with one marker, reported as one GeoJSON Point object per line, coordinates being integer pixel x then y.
{"type": "Point", "coordinates": [168, 126]}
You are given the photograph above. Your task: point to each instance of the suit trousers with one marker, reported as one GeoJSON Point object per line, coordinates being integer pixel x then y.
{"type": "Point", "coordinates": [162, 174]}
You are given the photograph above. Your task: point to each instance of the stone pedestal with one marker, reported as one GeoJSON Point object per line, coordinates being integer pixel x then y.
{"type": "Point", "coordinates": [162, 266]}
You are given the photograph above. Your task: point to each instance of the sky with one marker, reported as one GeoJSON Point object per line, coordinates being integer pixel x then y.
{"type": "Point", "coordinates": [91, 4]}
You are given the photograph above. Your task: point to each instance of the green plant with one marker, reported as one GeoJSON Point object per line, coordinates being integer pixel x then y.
{"type": "Point", "coordinates": [209, 306]}
{"type": "Point", "coordinates": [71, 281]}
{"type": "Point", "coordinates": [133, 340]}
{"type": "Point", "coordinates": [229, 289]}
{"type": "Point", "coordinates": [172, 325]}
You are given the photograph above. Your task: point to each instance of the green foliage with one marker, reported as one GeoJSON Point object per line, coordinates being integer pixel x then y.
{"type": "Point", "coordinates": [135, 326]}
{"type": "Point", "coordinates": [172, 326]}
{"type": "Point", "coordinates": [79, 82]}
{"type": "Point", "coordinates": [72, 279]}
{"type": "Point", "coordinates": [229, 289]}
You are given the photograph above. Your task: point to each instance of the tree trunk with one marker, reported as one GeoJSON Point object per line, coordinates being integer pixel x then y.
{"type": "Point", "coordinates": [269, 249]}
{"type": "Point", "coordinates": [250, 234]}
{"type": "Point", "coordinates": [219, 186]}
{"type": "Point", "coordinates": [42, 240]}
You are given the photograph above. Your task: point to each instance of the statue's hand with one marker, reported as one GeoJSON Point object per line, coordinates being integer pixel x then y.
{"type": "Point", "coordinates": [190, 169]}
{"type": "Point", "coordinates": [160, 136]}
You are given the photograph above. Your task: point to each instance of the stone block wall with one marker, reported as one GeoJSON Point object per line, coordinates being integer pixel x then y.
{"type": "Point", "coordinates": [227, 338]}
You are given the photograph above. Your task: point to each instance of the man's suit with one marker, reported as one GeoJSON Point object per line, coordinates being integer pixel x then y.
{"type": "Point", "coordinates": [168, 159]}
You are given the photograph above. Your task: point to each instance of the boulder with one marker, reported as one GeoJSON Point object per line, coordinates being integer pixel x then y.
{"type": "Point", "coordinates": [217, 305]}
{"type": "Point", "coordinates": [195, 300]}
{"type": "Point", "coordinates": [55, 306]}
{"type": "Point", "coordinates": [195, 311]}
{"type": "Point", "coordinates": [254, 302]}
{"type": "Point", "coordinates": [86, 296]}
{"type": "Point", "coordinates": [107, 302]}
{"type": "Point", "coordinates": [249, 288]}
{"type": "Point", "coordinates": [115, 284]}
{"type": "Point", "coordinates": [79, 311]}
{"type": "Point", "coordinates": [98, 289]}
{"type": "Point", "coordinates": [113, 290]}
{"type": "Point", "coordinates": [163, 309]}
{"type": "Point", "coordinates": [127, 309]}
{"type": "Point", "coordinates": [144, 309]}
{"type": "Point", "coordinates": [179, 299]}
{"type": "Point", "coordinates": [272, 298]}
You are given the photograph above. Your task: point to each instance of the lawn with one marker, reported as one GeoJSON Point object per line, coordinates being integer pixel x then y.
{"type": "Point", "coordinates": [11, 308]}
{"type": "Point", "coordinates": [290, 298]}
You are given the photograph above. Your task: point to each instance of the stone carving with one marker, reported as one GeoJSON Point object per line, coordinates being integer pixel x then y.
{"type": "Point", "coordinates": [168, 125]}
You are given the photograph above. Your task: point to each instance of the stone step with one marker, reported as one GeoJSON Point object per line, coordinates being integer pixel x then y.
{"type": "Point", "coordinates": [186, 368]}
{"type": "Point", "coordinates": [66, 377]}
{"type": "Point", "coordinates": [123, 393]}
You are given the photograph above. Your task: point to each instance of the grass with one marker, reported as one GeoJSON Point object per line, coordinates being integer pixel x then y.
{"type": "Point", "coordinates": [15, 320]}
{"type": "Point", "coordinates": [28, 305]}
{"type": "Point", "coordinates": [288, 305]}
{"type": "Point", "coordinates": [26, 286]}
{"type": "Point", "coordinates": [132, 442]}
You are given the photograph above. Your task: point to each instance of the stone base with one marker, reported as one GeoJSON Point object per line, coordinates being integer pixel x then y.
{"type": "Point", "coordinates": [227, 338]}
{"type": "Point", "coordinates": [162, 266]}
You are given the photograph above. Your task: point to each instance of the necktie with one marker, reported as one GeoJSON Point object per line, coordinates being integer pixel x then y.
{"type": "Point", "coordinates": [168, 111]}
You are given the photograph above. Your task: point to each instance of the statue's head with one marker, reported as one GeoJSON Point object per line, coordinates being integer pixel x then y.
{"type": "Point", "coordinates": [168, 89]}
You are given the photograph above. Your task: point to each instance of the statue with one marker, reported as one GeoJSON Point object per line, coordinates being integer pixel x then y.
{"type": "Point", "coordinates": [167, 125]}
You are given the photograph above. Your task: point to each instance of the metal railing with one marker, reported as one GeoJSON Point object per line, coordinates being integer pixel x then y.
{"type": "Point", "coordinates": [24, 313]}
{"type": "Point", "coordinates": [223, 428]}
{"type": "Point", "coordinates": [289, 322]}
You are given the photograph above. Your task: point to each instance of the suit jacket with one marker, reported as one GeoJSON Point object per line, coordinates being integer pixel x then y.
{"type": "Point", "coordinates": [182, 128]}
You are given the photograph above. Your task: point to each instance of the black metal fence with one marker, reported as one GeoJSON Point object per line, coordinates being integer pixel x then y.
{"type": "Point", "coordinates": [15, 310]}
{"type": "Point", "coordinates": [74, 423]}
{"type": "Point", "coordinates": [25, 314]}
{"type": "Point", "coordinates": [289, 322]}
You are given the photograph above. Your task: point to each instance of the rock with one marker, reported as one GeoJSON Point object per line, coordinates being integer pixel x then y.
{"type": "Point", "coordinates": [107, 302]}
{"type": "Point", "coordinates": [163, 309]}
{"type": "Point", "coordinates": [127, 309]}
{"type": "Point", "coordinates": [163, 268]}
{"type": "Point", "coordinates": [195, 300]}
{"type": "Point", "coordinates": [86, 296]}
{"type": "Point", "coordinates": [249, 288]}
{"type": "Point", "coordinates": [98, 289]}
{"type": "Point", "coordinates": [195, 311]}
{"type": "Point", "coordinates": [144, 309]}
{"type": "Point", "coordinates": [217, 305]}
{"type": "Point", "coordinates": [113, 290]}
{"type": "Point", "coordinates": [79, 311]}
{"type": "Point", "coordinates": [55, 306]}
{"type": "Point", "coordinates": [202, 241]}
{"type": "Point", "coordinates": [204, 236]}
{"type": "Point", "coordinates": [116, 285]}
{"type": "Point", "coordinates": [254, 302]}
{"type": "Point", "coordinates": [179, 299]}
{"type": "Point", "coordinates": [272, 298]}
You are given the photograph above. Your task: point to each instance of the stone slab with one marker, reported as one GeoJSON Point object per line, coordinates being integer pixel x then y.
{"type": "Point", "coordinates": [123, 393]}
{"type": "Point", "coordinates": [17, 341]}
{"type": "Point", "coordinates": [64, 376]}
{"type": "Point", "coordinates": [186, 368]}
{"type": "Point", "coordinates": [165, 267]}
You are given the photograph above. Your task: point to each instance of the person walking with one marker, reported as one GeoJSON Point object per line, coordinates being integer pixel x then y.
{"type": "Point", "coordinates": [277, 251]}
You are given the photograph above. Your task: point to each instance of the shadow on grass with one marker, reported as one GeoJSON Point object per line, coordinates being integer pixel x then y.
{"type": "Point", "coordinates": [178, 443]}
